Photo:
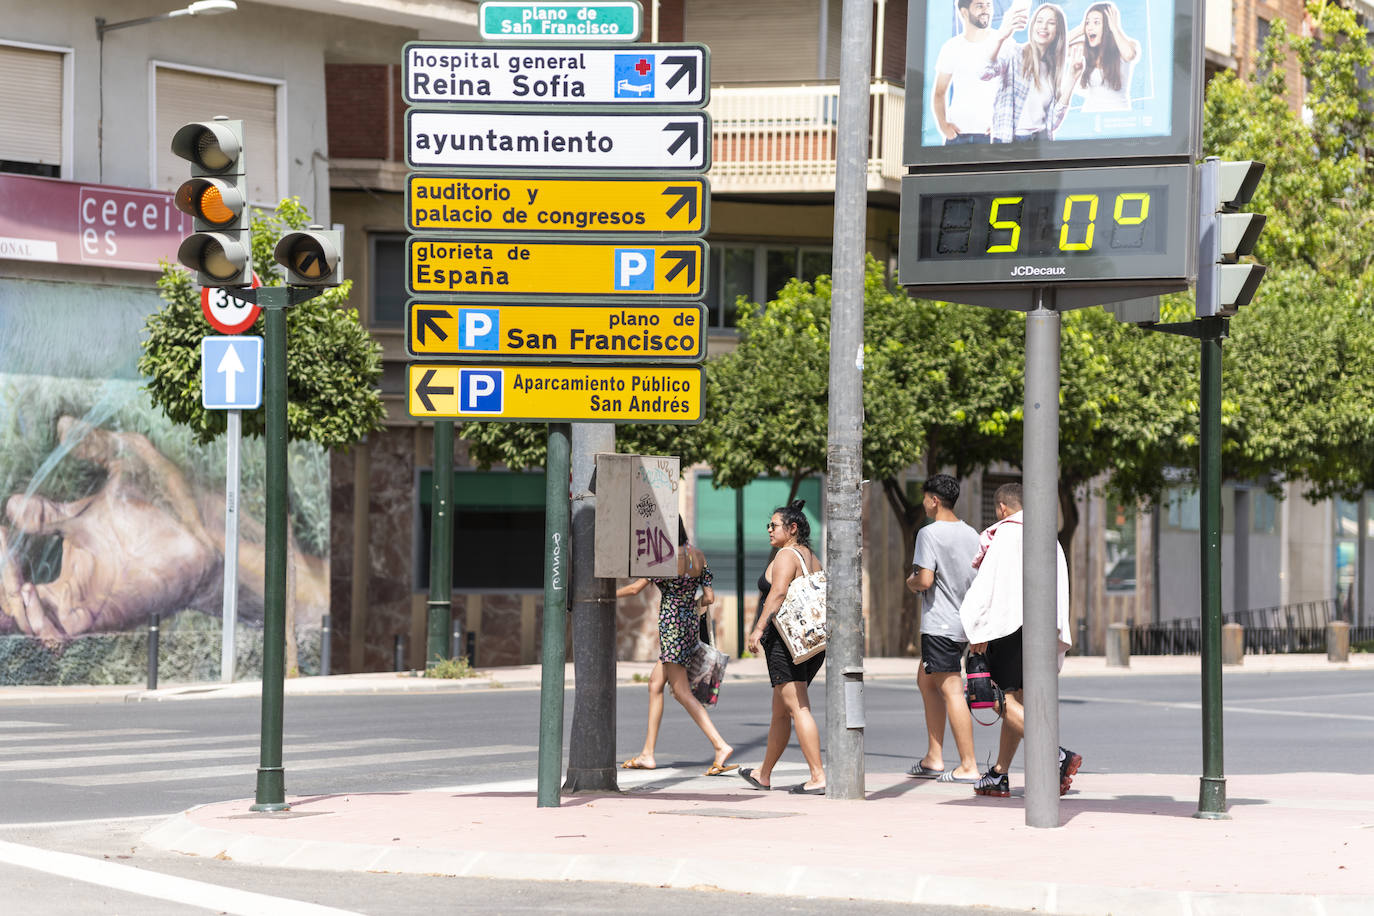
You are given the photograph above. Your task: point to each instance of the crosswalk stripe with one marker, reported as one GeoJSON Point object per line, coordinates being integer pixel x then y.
{"type": "Point", "coordinates": [209, 753]}
{"type": "Point", "coordinates": [169, 743]}
{"type": "Point", "coordinates": [90, 733]}
{"type": "Point", "coordinates": [330, 763]}
{"type": "Point", "coordinates": [19, 723]}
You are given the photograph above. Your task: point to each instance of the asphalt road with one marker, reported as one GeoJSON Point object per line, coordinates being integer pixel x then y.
{"type": "Point", "coordinates": [90, 778]}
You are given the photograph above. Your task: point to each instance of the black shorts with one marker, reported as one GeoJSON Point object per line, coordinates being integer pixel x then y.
{"type": "Point", "coordinates": [940, 654]}
{"type": "Point", "coordinates": [781, 668]}
{"type": "Point", "coordinates": [1004, 661]}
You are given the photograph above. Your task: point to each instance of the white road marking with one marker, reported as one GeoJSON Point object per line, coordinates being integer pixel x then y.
{"type": "Point", "coordinates": [17, 723]}
{"type": "Point", "coordinates": [172, 756]}
{"type": "Point", "coordinates": [457, 755]}
{"type": "Point", "coordinates": [170, 743]}
{"type": "Point", "coordinates": [88, 733]}
{"type": "Point", "coordinates": [213, 897]}
{"type": "Point", "coordinates": [1171, 704]}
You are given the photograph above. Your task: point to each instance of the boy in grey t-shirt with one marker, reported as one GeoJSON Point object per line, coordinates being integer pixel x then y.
{"type": "Point", "coordinates": [942, 569]}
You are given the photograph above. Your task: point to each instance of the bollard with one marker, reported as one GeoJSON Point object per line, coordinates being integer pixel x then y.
{"type": "Point", "coordinates": [455, 646]}
{"type": "Point", "coordinates": [1083, 636]}
{"type": "Point", "coordinates": [325, 653]}
{"type": "Point", "coordinates": [472, 649]}
{"type": "Point", "coordinates": [1232, 644]}
{"type": "Point", "coordinates": [152, 652]}
{"type": "Point", "coordinates": [1337, 641]}
{"type": "Point", "coordinates": [1118, 645]}
{"type": "Point", "coordinates": [398, 661]}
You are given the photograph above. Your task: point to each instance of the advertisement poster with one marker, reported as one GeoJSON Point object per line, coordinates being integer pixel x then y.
{"type": "Point", "coordinates": [1052, 79]}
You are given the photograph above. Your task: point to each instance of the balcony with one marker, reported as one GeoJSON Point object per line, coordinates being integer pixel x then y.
{"type": "Point", "coordinates": [782, 138]}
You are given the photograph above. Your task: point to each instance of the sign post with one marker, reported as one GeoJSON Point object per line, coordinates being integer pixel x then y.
{"type": "Point", "coordinates": [231, 379]}
{"type": "Point", "coordinates": [556, 253]}
{"type": "Point", "coordinates": [1086, 200]}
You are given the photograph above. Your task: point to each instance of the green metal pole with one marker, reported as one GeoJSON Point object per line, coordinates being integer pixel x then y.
{"type": "Point", "coordinates": [271, 791]}
{"type": "Point", "coordinates": [739, 570]}
{"type": "Point", "coordinates": [557, 513]}
{"type": "Point", "coordinates": [438, 645]}
{"type": "Point", "coordinates": [1212, 792]}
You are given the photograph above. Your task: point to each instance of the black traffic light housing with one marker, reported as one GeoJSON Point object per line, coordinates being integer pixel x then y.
{"type": "Point", "coordinates": [219, 251]}
{"type": "Point", "coordinates": [312, 257]}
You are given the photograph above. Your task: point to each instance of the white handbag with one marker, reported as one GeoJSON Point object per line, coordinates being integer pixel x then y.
{"type": "Point", "coordinates": [801, 619]}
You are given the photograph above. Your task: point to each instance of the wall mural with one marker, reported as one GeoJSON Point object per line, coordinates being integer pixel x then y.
{"type": "Point", "coordinates": [112, 514]}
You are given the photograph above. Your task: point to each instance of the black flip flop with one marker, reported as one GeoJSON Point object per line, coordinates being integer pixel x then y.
{"type": "Point", "coordinates": [801, 789]}
{"type": "Point", "coordinates": [748, 775]}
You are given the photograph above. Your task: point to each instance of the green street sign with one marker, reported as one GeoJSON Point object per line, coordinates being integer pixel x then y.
{"type": "Point", "coordinates": [614, 20]}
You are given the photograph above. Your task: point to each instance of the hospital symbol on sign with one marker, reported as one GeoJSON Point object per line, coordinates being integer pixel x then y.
{"type": "Point", "coordinates": [634, 76]}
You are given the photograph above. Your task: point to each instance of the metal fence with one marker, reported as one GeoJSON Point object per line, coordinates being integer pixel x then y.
{"type": "Point", "coordinates": [1291, 628]}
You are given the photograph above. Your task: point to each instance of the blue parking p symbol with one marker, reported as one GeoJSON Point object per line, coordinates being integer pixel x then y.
{"type": "Point", "coordinates": [634, 269]}
{"type": "Point", "coordinates": [479, 391]}
{"type": "Point", "coordinates": [479, 329]}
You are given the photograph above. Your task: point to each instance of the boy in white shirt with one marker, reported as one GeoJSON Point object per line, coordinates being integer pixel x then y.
{"type": "Point", "coordinates": [992, 616]}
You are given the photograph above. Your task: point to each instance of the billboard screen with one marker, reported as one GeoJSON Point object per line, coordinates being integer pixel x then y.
{"type": "Point", "coordinates": [1000, 81]}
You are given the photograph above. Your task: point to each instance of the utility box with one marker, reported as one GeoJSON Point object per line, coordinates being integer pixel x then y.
{"type": "Point", "coordinates": [636, 516]}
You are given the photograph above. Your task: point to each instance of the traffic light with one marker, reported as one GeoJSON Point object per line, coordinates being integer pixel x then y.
{"type": "Point", "coordinates": [1224, 285]}
{"type": "Point", "coordinates": [220, 249]}
{"type": "Point", "coordinates": [312, 257]}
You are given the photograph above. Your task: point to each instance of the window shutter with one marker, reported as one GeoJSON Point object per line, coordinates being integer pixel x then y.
{"type": "Point", "coordinates": [30, 105]}
{"type": "Point", "coordinates": [181, 97]}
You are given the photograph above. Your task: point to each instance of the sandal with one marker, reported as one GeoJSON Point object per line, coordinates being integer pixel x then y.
{"type": "Point", "coordinates": [718, 769]}
{"type": "Point", "coordinates": [748, 775]}
{"type": "Point", "coordinates": [634, 764]}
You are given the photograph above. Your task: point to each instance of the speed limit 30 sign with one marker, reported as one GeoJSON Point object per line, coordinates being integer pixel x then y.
{"type": "Point", "coordinates": [225, 313]}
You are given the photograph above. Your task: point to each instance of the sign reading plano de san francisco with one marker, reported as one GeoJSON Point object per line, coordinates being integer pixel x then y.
{"type": "Point", "coordinates": [661, 74]}
{"type": "Point", "coordinates": [649, 141]}
{"type": "Point", "coordinates": [659, 333]}
{"type": "Point", "coordinates": [462, 268]}
{"type": "Point", "coordinates": [461, 203]}
{"type": "Point", "coordinates": [558, 394]}
{"type": "Point", "coordinates": [560, 20]}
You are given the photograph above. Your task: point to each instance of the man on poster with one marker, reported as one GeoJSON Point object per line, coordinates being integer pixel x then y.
{"type": "Point", "coordinates": [962, 100]}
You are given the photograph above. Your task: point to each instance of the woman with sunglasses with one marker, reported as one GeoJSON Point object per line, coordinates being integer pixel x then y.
{"type": "Point", "coordinates": [789, 534]}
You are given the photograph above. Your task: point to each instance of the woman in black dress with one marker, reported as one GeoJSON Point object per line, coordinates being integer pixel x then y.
{"type": "Point", "coordinates": [789, 533]}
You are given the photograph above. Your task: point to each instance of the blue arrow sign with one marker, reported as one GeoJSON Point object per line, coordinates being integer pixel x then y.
{"type": "Point", "coordinates": [231, 373]}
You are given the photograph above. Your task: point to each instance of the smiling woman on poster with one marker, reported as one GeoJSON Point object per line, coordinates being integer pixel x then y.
{"type": "Point", "coordinates": [1102, 59]}
{"type": "Point", "coordinates": [1029, 76]}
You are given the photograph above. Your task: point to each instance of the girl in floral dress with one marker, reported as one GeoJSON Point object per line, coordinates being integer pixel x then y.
{"type": "Point", "coordinates": [678, 638]}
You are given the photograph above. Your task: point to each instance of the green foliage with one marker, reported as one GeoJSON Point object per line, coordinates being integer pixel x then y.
{"type": "Point", "coordinates": [450, 668]}
{"type": "Point", "coordinates": [333, 365]}
{"type": "Point", "coordinates": [1298, 395]}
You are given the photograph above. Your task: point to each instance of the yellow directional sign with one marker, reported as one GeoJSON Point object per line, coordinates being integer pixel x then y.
{"type": "Point", "coordinates": [609, 332]}
{"type": "Point", "coordinates": [479, 267]}
{"type": "Point", "coordinates": [562, 394]}
{"type": "Point", "coordinates": [461, 203]}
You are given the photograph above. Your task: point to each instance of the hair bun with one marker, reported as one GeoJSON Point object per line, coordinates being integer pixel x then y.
{"type": "Point", "coordinates": [797, 504]}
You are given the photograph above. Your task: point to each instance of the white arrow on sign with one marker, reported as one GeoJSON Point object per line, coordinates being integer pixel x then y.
{"type": "Point", "coordinates": [657, 141]}
{"type": "Point", "coordinates": [230, 366]}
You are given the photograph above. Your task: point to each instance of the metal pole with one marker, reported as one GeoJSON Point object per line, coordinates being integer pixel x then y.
{"type": "Point", "coordinates": [844, 472]}
{"type": "Point", "coordinates": [441, 547]}
{"type": "Point", "coordinates": [1040, 569]}
{"type": "Point", "coordinates": [271, 787]}
{"type": "Point", "coordinates": [1212, 791]}
{"type": "Point", "coordinates": [554, 652]}
{"type": "Point", "coordinates": [1361, 555]}
{"type": "Point", "coordinates": [229, 613]}
{"type": "Point", "coordinates": [739, 571]}
{"type": "Point", "coordinates": [152, 651]}
{"type": "Point", "coordinates": [591, 745]}
{"type": "Point", "coordinates": [326, 650]}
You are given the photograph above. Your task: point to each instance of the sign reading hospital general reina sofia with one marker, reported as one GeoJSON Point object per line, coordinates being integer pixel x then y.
{"type": "Point", "coordinates": [560, 21]}
{"type": "Point", "coordinates": [557, 394]}
{"type": "Point", "coordinates": [639, 141]}
{"type": "Point", "coordinates": [673, 74]}
{"type": "Point", "coordinates": [595, 333]}
{"type": "Point", "coordinates": [459, 268]}
{"type": "Point", "coordinates": [1109, 80]}
{"type": "Point", "coordinates": [458, 203]}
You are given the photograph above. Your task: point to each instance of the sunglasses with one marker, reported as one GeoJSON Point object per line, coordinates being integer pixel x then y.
{"type": "Point", "coordinates": [772, 525]}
